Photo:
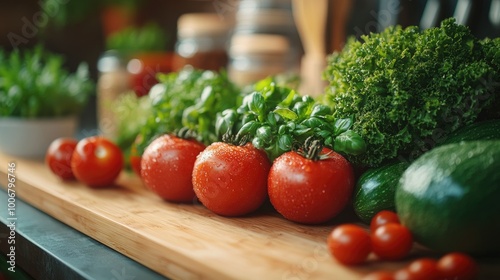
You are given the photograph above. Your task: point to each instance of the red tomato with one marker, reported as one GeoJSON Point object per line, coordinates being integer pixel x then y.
{"type": "Point", "coordinates": [457, 266]}
{"type": "Point", "coordinates": [167, 167]}
{"type": "Point", "coordinates": [231, 180]}
{"type": "Point", "coordinates": [97, 161]}
{"type": "Point", "coordinates": [420, 269]}
{"type": "Point", "coordinates": [391, 241]}
{"type": "Point", "coordinates": [58, 157]}
{"type": "Point", "coordinates": [383, 217]}
{"type": "Point", "coordinates": [349, 244]}
{"type": "Point", "coordinates": [307, 191]}
{"type": "Point", "coordinates": [379, 275]}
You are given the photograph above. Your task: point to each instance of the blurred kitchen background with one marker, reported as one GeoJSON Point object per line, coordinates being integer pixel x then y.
{"type": "Point", "coordinates": [230, 37]}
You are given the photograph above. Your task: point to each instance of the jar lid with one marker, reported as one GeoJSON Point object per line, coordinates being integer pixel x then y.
{"type": "Point", "coordinates": [258, 44]}
{"type": "Point", "coordinates": [195, 24]}
{"type": "Point", "coordinates": [270, 17]}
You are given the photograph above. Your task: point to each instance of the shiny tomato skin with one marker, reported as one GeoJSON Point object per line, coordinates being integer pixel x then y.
{"type": "Point", "coordinates": [349, 244]}
{"type": "Point", "coordinates": [392, 241]}
{"type": "Point", "coordinates": [97, 161]}
{"type": "Point", "coordinates": [231, 180]}
{"type": "Point", "coordinates": [167, 167]}
{"type": "Point", "coordinates": [422, 269]}
{"type": "Point", "coordinates": [58, 157]}
{"type": "Point", "coordinates": [457, 266]}
{"type": "Point", "coordinates": [383, 217]}
{"type": "Point", "coordinates": [307, 191]}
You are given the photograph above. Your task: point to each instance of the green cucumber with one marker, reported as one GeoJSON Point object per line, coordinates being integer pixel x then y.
{"type": "Point", "coordinates": [486, 130]}
{"type": "Point", "coordinates": [375, 190]}
{"type": "Point", "coordinates": [449, 198]}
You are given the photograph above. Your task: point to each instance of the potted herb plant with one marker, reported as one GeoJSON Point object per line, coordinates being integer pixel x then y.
{"type": "Point", "coordinates": [39, 100]}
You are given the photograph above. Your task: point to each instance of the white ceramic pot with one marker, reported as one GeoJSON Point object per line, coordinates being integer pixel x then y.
{"type": "Point", "coordinates": [31, 138]}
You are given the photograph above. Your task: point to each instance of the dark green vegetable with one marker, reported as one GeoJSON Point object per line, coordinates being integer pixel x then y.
{"type": "Point", "coordinates": [448, 198]}
{"type": "Point", "coordinates": [487, 130]}
{"type": "Point", "coordinates": [188, 100]}
{"type": "Point", "coordinates": [406, 88]}
{"type": "Point", "coordinates": [375, 190]}
{"type": "Point", "coordinates": [276, 119]}
{"type": "Point", "coordinates": [34, 84]}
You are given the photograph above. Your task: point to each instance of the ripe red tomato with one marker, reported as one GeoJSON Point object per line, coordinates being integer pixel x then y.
{"type": "Point", "coordinates": [457, 266]}
{"type": "Point", "coordinates": [231, 180]}
{"type": "Point", "coordinates": [58, 157]}
{"type": "Point", "coordinates": [392, 241]}
{"type": "Point", "coordinates": [379, 275]}
{"type": "Point", "coordinates": [420, 269]}
{"type": "Point", "coordinates": [307, 191]}
{"type": "Point", "coordinates": [383, 217]}
{"type": "Point", "coordinates": [167, 167]}
{"type": "Point", "coordinates": [349, 244]}
{"type": "Point", "coordinates": [97, 161]}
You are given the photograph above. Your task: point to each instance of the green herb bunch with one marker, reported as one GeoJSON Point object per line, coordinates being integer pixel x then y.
{"type": "Point", "coordinates": [276, 119]}
{"type": "Point", "coordinates": [34, 83]}
{"type": "Point", "coordinates": [407, 89]}
{"type": "Point", "coordinates": [188, 100]}
{"type": "Point", "coordinates": [147, 38]}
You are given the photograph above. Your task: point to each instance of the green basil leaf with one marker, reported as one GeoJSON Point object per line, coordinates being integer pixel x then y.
{"type": "Point", "coordinates": [349, 142]}
{"type": "Point", "coordinates": [286, 113]}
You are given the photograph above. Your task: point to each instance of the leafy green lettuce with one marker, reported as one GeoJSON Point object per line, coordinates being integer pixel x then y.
{"type": "Point", "coordinates": [406, 89]}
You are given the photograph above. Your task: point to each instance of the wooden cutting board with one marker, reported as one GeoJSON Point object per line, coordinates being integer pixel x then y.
{"type": "Point", "coordinates": [186, 241]}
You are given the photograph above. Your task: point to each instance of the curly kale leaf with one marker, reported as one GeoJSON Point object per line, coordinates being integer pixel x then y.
{"type": "Point", "coordinates": [407, 89]}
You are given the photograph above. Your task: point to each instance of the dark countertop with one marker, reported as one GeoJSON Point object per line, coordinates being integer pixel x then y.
{"type": "Point", "coordinates": [48, 249]}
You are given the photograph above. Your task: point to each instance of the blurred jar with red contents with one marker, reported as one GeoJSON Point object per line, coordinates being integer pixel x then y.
{"type": "Point", "coordinates": [202, 40]}
{"type": "Point", "coordinates": [143, 68]}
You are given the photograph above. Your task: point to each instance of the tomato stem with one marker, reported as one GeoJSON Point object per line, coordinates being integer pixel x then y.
{"type": "Point", "coordinates": [186, 133]}
{"type": "Point", "coordinates": [311, 149]}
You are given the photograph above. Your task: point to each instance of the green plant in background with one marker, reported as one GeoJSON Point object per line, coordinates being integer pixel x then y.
{"type": "Point", "coordinates": [62, 13]}
{"type": "Point", "coordinates": [147, 38]}
{"type": "Point", "coordinates": [33, 83]}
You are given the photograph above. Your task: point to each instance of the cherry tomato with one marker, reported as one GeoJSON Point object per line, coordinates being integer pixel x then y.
{"type": "Point", "coordinates": [457, 266]}
{"type": "Point", "coordinates": [349, 244]}
{"type": "Point", "coordinates": [391, 241]}
{"type": "Point", "coordinates": [58, 157]}
{"type": "Point", "coordinates": [307, 191]}
{"type": "Point", "coordinates": [383, 217]}
{"type": "Point", "coordinates": [379, 275]}
{"type": "Point", "coordinates": [97, 161]}
{"type": "Point", "coordinates": [167, 167]}
{"type": "Point", "coordinates": [231, 180]}
{"type": "Point", "coordinates": [420, 269]}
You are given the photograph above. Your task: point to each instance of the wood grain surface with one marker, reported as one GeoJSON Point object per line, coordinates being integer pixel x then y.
{"type": "Point", "coordinates": [186, 241]}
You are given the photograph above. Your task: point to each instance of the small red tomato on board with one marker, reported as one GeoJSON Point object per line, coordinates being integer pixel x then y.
{"type": "Point", "coordinates": [457, 266]}
{"type": "Point", "coordinates": [97, 161]}
{"type": "Point", "coordinates": [349, 244]}
{"type": "Point", "coordinates": [420, 269]}
{"type": "Point", "coordinates": [58, 157]}
{"type": "Point", "coordinates": [167, 167]}
{"type": "Point", "coordinates": [231, 180]}
{"type": "Point", "coordinates": [310, 191]}
{"type": "Point", "coordinates": [383, 217]}
{"type": "Point", "coordinates": [392, 241]}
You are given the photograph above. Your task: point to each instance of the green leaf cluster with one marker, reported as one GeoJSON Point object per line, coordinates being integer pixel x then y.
{"type": "Point", "coordinates": [406, 89]}
{"type": "Point", "coordinates": [189, 99]}
{"type": "Point", "coordinates": [276, 119]}
{"type": "Point", "coordinates": [148, 38]}
{"type": "Point", "coordinates": [34, 83]}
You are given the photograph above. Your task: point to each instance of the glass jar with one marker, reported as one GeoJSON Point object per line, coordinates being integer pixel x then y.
{"type": "Point", "coordinates": [201, 41]}
{"type": "Point", "coordinates": [257, 56]}
{"type": "Point", "coordinates": [113, 80]}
